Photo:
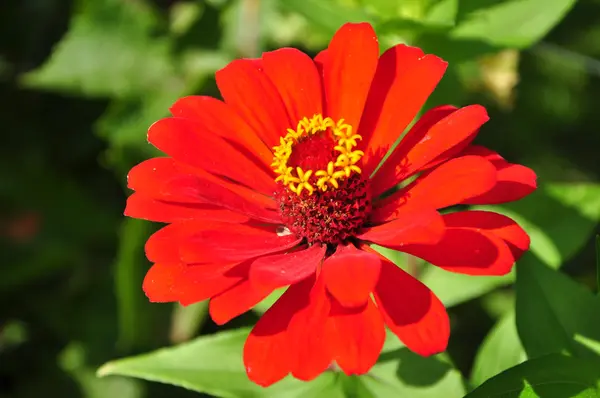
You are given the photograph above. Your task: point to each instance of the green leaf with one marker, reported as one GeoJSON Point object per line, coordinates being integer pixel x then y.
{"type": "Point", "coordinates": [552, 310]}
{"type": "Point", "coordinates": [454, 288]}
{"type": "Point", "coordinates": [213, 365]}
{"type": "Point", "coordinates": [442, 13]}
{"type": "Point", "coordinates": [559, 217]}
{"type": "Point", "coordinates": [552, 376]}
{"type": "Point", "coordinates": [500, 350]}
{"type": "Point", "coordinates": [402, 373]}
{"type": "Point", "coordinates": [510, 23]}
{"type": "Point", "coordinates": [327, 14]}
{"type": "Point", "coordinates": [110, 50]}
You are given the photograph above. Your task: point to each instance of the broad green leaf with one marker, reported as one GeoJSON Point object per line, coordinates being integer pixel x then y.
{"type": "Point", "coordinates": [500, 350]}
{"type": "Point", "coordinates": [402, 373]}
{"type": "Point", "coordinates": [213, 365]}
{"type": "Point", "coordinates": [552, 309]}
{"type": "Point", "coordinates": [509, 23]}
{"type": "Point", "coordinates": [559, 217]}
{"type": "Point", "coordinates": [110, 50]}
{"type": "Point", "coordinates": [328, 15]}
{"type": "Point", "coordinates": [551, 376]}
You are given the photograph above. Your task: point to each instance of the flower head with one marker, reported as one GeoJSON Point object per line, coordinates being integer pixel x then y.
{"type": "Point", "coordinates": [280, 185]}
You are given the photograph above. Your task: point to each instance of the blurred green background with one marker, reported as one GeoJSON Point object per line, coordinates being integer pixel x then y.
{"type": "Point", "coordinates": [81, 81]}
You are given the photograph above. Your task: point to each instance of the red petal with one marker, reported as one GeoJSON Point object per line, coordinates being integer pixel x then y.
{"type": "Point", "coordinates": [449, 184]}
{"type": "Point", "coordinates": [402, 69]}
{"type": "Point", "coordinates": [190, 284]}
{"type": "Point", "coordinates": [467, 251]}
{"type": "Point", "coordinates": [514, 181]}
{"type": "Point", "coordinates": [287, 268]}
{"type": "Point", "coordinates": [235, 301]}
{"type": "Point", "coordinates": [356, 336]}
{"type": "Point", "coordinates": [189, 142]}
{"type": "Point", "coordinates": [499, 225]}
{"type": "Point", "coordinates": [419, 149]}
{"type": "Point", "coordinates": [307, 333]}
{"type": "Point", "coordinates": [165, 179]}
{"type": "Point", "coordinates": [268, 353]}
{"type": "Point", "coordinates": [159, 282]}
{"type": "Point", "coordinates": [161, 178]}
{"type": "Point", "coordinates": [320, 60]}
{"type": "Point", "coordinates": [143, 207]}
{"type": "Point", "coordinates": [413, 225]}
{"type": "Point", "coordinates": [412, 311]}
{"type": "Point", "coordinates": [203, 281]}
{"type": "Point", "coordinates": [220, 119]}
{"type": "Point", "coordinates": [234, 243]}
{"type": "Point", "coordinates": [350, 67]}
{"type": "Point", "coordinates": [297, 80]}
{"type": "Point", "coordinates": [248, 90]}
{"type": "Point", "coordinates": [163, 245]}
{"type": "Point", "coordinates": [350, 275]}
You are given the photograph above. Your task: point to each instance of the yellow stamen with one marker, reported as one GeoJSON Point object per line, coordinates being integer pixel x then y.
{"type": "Point", "coordinates": [346, 163]}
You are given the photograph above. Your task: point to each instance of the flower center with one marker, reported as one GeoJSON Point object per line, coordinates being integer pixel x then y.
{"type": "Point", "coordinates": [322, 197]}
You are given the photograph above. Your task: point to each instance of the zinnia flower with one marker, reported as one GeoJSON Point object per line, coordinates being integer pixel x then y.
{"type": "Point", "coordinates": [280, 184]}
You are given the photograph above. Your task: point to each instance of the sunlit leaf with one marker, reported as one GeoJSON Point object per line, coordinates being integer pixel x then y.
{"type": "Point", "coordinates": [402, 373]}
{"type": "Point", "coordinates": [328, 15]}
{"type": "Point", "coordinates": [510, 23]}
{"type": "Point", "coordinates": [213, 365]}
{"type": "Point", "coordinates": [500, 350]}
{"type": "Point", "coordinates": [108, 51]}
{"type": "Point", "coordinates": [552, 376]}
{"type": "Point", "coordinates": [552, 309]}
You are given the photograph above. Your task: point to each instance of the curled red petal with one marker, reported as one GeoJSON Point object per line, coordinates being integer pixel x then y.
{"type": "Point", "coordinates": [467, 251]}
{"type": "Point", "coordinates": [268, 352]}
{"type": "Point", "coordinates": [401, 69]}
{"type": "Point", "coordinates": [297, 80]}
{"type": "Point", "coordinates": [248, 90]}
{"type": "Point", "coordinates": [412, 311]}
{"type": "Point", "coordinates": [287, 268]}
{"type": "Point", "coordinates": [514, 181]}
{"type": "Point", "coordinates": [351, 63]}
{"type": "Point", "coordinates": [350, 275]}
{"type": "Point", "coordinates": [499, 225]}
{"type": "Point", "coordinates": [356, 336]}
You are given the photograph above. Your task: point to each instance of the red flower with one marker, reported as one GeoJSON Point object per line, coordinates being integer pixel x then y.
{"type": "Point", "coordinates": [278, 185]}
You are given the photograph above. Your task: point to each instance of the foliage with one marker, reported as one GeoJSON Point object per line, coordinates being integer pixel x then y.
{"type": "Point", "coordinates": [80, 83]}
